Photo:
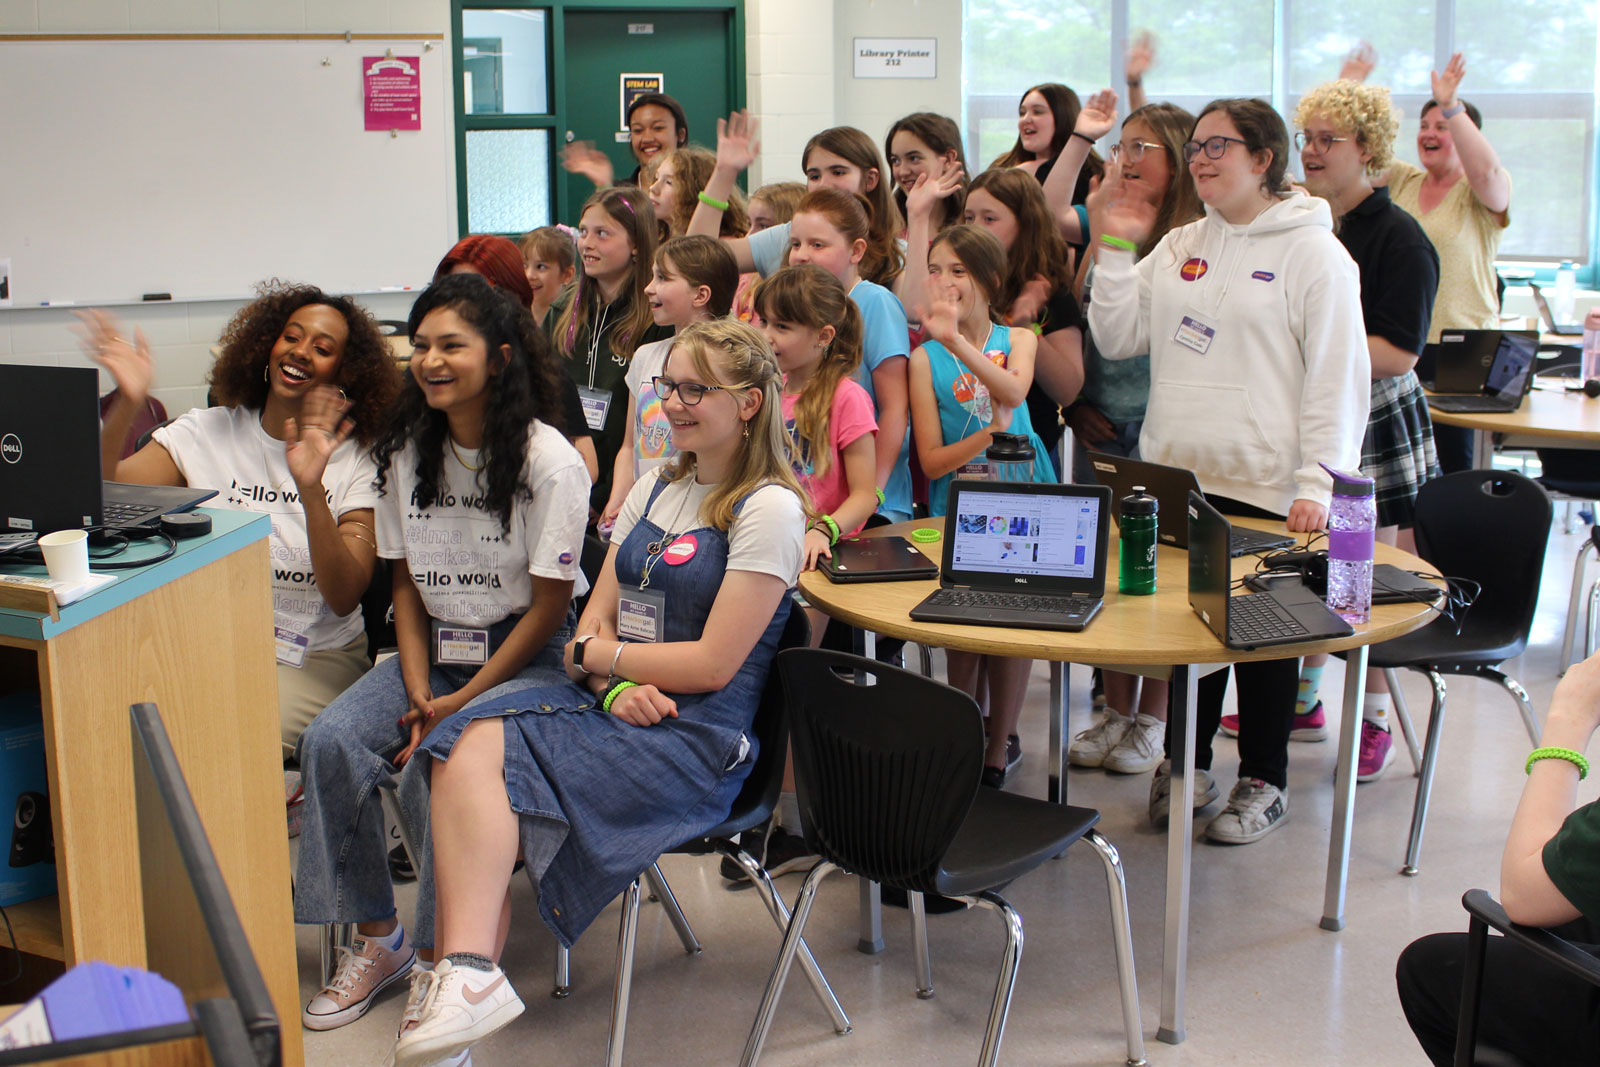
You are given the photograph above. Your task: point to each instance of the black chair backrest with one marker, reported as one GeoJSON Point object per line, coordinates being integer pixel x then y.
{"type": "Point", "coordinates": [771, 726]}
{"type": "Point", "coordinates": [1573, 471]}
{"type": "Point", "coordinates": [1490, 527]}
{"type": "Point", "coordinates": [887, 763]}
{"type": "Point", "coordinates": [590, 562]}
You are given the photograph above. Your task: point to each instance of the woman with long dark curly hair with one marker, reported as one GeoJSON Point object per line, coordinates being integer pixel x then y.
{"type": "Point", "coordinates": [482, 505]}
{"type": "Point", "coordinates": [301, 373]}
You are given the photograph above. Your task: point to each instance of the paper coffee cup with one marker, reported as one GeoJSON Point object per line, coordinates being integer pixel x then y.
{"type": "Point", "coordinates": [66, 555]}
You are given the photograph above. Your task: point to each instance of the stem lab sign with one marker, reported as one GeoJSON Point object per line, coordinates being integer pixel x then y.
{"type": "Point", "coordinates": [896, 57]}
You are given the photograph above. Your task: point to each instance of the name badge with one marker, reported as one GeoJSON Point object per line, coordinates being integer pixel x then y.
{"type": "Point", "coordinates": [640, 614]}
{"type": "Point", "coordinates": [291, 644]}
{"type": "Point", "coordinates": [975, 469]}
{"type": "Point", "coordinates": [596, 402]}
{"type": "Point", "coordinates": [1194, 334]}
{"type": "Point", "coordinates": [464, 645]}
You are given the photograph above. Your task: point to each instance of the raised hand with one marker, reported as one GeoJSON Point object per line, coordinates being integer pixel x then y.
{"type": "Point", "coordinates": [128, 363]}
{"type": "Point", "coordinates": [310, 441]}
{"type": "Point", "coordinates": [582, 157]}
{"type": "Point", "coordinates": [941, 321]}
{"type": "Point", "coordinates": [1141, 56]}
{"type": "Point", "coordinates": [1121, 212]}
{"type": "Point", "coordinates": [928, 190]}
{"type": "Point", "coordinates": [1098, 115]}
{"type": "Point", "coordinates": [1447, 83]}
{"type": "Point", "coordinates": [737, 143]}
{"type": "Point", "coordinates": [1358, 63]}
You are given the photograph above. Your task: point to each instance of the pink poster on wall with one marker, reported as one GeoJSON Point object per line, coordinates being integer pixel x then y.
{"type": "Point", "coordinates": [391, 87]}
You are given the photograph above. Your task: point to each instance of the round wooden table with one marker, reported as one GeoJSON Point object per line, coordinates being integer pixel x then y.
{"type": "Point", "coordinates": [1548, 418]}
{"type": "Point", "coordinates": [1158, 636]}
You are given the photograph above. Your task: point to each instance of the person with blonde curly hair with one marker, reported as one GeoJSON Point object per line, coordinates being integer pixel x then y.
{"type": "Point", "coordinates": [1346, 138]}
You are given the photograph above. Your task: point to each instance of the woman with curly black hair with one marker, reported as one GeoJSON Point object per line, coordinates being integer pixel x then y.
{"type": "Point", "coordinates": [482, 505]}
{"type": "Point", "coordinates": [301, 373]}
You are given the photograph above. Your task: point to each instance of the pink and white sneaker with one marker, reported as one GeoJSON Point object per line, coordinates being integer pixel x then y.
{"type": "Point", "coordinates": [1377, 752]}
{"type": "Point", "coordinates": [1312, 726]}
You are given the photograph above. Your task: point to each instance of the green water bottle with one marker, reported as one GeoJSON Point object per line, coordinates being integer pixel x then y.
{"type": "Point", "coordinates": [1137, 525]}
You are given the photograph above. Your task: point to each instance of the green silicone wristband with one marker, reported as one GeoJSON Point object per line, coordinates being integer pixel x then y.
{"type": "Point", "coordinates": [1123, 243]}
{"type": "Point", "coordinates": [1577, 759]}
{"type": "Point", "coordinates": [710, 201]}
{"type": "Point", "coordinates": [605, 705]}
{"type": "Point", "coordinates": [925, 535]}
{"type": "Point", "coordinates": [880, 496]}
{"type": "Point", "coordinates": [833, 528]}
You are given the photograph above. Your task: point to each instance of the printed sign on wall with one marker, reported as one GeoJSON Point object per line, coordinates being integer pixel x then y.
{"type": "Point", "coordinates": [896, 57]}
{"type": "Point", "coordinates": [391, 87]}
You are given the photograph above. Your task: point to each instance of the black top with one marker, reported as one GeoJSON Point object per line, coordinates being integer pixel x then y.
{"type": "Point", "coordinates": [1060, 312]}
{"type": "Point", "coordinates": [1399, 270]}
{"type": "Point", "coordinates": [572, 410]}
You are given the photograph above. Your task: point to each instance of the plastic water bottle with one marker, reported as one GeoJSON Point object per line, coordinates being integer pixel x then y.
{"type": "Point", "coordinates": [1136, 526]}
{"type": "Point", "coordinates": [1591, 344]}
{"type": "Point", "coordinates": [1566, 294]}
{"type": "Point", "coordinates": [1352, 523]}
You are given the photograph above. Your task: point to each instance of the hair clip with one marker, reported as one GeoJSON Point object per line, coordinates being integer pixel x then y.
{"type": "Point", "coordinates": [571, 233]}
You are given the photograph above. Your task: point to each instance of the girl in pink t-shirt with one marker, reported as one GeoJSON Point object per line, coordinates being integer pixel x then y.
{"type": "Point", "coordinates": [815, 331]}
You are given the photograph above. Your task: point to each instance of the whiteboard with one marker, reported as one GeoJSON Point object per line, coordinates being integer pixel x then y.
{"type": "Point", "coordinates": [201, 167]}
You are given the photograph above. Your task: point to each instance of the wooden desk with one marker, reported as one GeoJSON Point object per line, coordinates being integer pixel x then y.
{"type": "Point", "coordinates": [1548, 418]}
{"type": "Point", "coordinates": [192, 634]}
{"type": "Point", "coordinates": [1158, 636]}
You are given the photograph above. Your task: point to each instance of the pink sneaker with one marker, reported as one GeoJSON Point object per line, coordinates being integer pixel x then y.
{"type": "Point", "coordinates": [1377, 751]}
{"type": "Point", "coordinates": [1312, 726]}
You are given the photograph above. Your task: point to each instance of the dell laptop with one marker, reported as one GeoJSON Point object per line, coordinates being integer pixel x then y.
{"type": "Point", "coordinates": [1507, 382]}
{"type": "Point", "coordinates": [1459, 362]}
{"type": "Point", "coordinates": [1171, 487]}
{"type": "Point", "coordinates": [1026, 554]}
{"type": "Point", "coordinates": [1280, 616]}
{"type": "Point", "coordinates": [50, 458]}
{"type": "Point", "coordinates": [1547, 317]}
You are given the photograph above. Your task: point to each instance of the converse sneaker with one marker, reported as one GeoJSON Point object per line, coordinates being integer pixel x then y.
{"type": "Point", "coordinates": [451, 1008]}
{"type": "Point", "coordinates": [1204, 789]}
{"type": "Point", "coordinates": [1312, 726]}
{"type": "Point", "coordinates": [1254, 810]}
{"type": "Point", "coordinates": [1091, 746]}
{"type": "Point", "coordinates": [365, 969]}
{"type": "Point", "coordinates": [1140, 748]}
{"type": "Point", "coordinates": [1377, 752]}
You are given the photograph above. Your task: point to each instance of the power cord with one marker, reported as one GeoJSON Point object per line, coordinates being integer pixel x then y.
{"type": "Point", "coordinates": [120, 541]}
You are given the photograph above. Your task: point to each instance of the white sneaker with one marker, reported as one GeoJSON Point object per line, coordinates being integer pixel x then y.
{"type": "Point", "coordinates": [1090, 747]}
{"type": "Point", "coordinates": [451, 1008]}
{"type": "Point", "coordinates": [1141, 747]}
{"type": "Point", "coordinates": [1254, 810]}
{"type": "Point", "coordinates": [1204, 788]}
{"type": "Point", "coordinates": [365, 969]}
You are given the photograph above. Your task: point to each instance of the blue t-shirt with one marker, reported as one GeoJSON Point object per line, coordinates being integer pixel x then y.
{"type": "Point", "coordinates": [767, 248]}
{"type": "Point", "coordinates": [884, 336]}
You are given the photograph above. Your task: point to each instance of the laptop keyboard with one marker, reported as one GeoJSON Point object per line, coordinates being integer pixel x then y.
{"type": "Point", "coordinates": [118, 514]}
{"type": "Point", "coordinates": [1259, 617]}
{"type": "Point", "coordinates": [1462, 404]}
{"type": "Point", "coordinates": [1242, 541]}
{"type": "Point", "coordinates": [970, 598]}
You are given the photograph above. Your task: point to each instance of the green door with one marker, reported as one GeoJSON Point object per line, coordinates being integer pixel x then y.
{"type": "Point", "coordinates": [691, 51]}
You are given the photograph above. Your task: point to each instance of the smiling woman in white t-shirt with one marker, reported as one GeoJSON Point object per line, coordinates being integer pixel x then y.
{"type": "Point", "coordinates": [304, 381]}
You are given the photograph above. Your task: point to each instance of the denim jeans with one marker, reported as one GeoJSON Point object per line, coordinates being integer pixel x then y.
{"type": "Point", "coordinates": [345, 755]}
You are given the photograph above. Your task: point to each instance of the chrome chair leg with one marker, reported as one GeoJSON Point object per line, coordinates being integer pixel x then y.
{"type": "Point", "coordinates": [1569, 637]}
{"type": "Point", "coordinates": [626, 940]}
{"type": "Point", "coordinates": [1122, 938]}
{"type": "Point", "coordinates": [1524, 705]}
{"type": "Point", "coordinates": [1007, 981]}
{"type": "Point", "coordinates": [660, 890]}
{"type": "Point", "coordinates": [334, 937]}
{"type": "Point", "coordinates": [1592, 621]}
{"type": "Point", "coordinates": [563, 983]}
{"type": "Point", "coordinates": [919, 945]}
{"type": "Point", "coordinates": [780, 969]}
{"type": "Point", "coordinates": [1430, 761]}
{"type": "Point", "coordinates": [1403, 714]}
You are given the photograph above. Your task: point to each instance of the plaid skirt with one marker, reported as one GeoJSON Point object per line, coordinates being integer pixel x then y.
{"type": "Point", "coordinates": [1397, 452]}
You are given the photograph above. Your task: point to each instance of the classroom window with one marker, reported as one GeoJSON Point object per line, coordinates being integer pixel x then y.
{"type": "Point", "coordinates": [508, 180]}
{"type": "Point", "coordinates": [504, 55]}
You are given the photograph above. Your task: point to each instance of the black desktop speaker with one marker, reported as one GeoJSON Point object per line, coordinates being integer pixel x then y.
{"type": "Point", "coordinates": [32, 839]}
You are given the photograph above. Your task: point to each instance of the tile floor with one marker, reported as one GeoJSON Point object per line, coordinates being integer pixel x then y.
{"type": "Point", "coordinates": [1266, 985]}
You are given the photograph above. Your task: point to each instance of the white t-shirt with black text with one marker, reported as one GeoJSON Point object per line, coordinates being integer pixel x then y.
{"type": "Point", "coordinates": [468, 569]}
{"type": "Point", "coordinates": [226, 449]}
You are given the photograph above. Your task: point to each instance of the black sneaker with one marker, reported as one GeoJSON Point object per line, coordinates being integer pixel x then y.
{"type": "Point", "coordinates": [780, 853]}
{"type": "Point", "coordinates": [1013, 752]}
{"type": "Point", "coordinates": [400, 869]}
{"type": "Point", "coordinates": [994, 777]}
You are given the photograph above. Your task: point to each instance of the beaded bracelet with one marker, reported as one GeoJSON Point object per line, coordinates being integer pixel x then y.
{"type": "Point", "coordinates": [880, 496]}
{"type": "Point", "coordinates": [605, 705]}
{"type": "Point", "coordinates": [1577, 759]}
{"type": "Point", "coordinates": [1123, 243]}
{"type": "Point", "coordinates": [832, 531]}
{"type": "Point", "coordinates": [710, 201]}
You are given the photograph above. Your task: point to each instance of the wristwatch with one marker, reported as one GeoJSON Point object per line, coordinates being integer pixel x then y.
{"type": "Point", "coordinates": [577, 652]}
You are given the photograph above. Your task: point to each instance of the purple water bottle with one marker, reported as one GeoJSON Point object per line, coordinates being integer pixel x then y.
{"type": "Point", "coordinates": [1352, 524]}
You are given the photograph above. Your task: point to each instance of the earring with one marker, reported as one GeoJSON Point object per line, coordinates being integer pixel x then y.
{"type": "Point", "coordinates": [747, 431]}
{"type": "Point", "coordinates": [265, 374]}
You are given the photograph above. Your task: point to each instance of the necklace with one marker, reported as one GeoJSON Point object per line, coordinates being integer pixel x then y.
{"type": "Point", "coordinates": [459, 460]}
{"type": "Point", "coordinates": [654, 548]}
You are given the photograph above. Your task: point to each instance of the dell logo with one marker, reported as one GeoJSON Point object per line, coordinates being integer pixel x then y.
{"type": "Point", "coordinates": [11, 448]}
{"type": "Point", "coordinates": [1020, 581]}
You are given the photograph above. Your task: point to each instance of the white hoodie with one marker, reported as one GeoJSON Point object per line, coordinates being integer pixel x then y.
{"type": "Point", "coordinates": [1285, 380]}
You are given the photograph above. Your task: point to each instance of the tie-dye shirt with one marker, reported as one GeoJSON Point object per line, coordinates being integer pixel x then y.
{"type": "Point", "coordinates": [652, 433]}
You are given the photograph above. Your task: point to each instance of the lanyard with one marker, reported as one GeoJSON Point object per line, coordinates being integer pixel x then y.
{"type": "Point", "coordinates": [594, 342]}
{"type": "Point", "coordinates": [654, 549]}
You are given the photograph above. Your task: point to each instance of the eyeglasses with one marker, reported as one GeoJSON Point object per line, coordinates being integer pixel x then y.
{"type": "Point", "coordinates": [691, 393]}
{"type": "Point", "coordinates": [1133, 151]}
{"type": "Point", "coordinates": [1323, 141]}
{"type": "Point", "coordinates": [1214, 147]}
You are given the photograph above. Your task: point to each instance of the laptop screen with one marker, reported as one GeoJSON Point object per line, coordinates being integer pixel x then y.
{"type": "Point", "coordinates": [1512, 366]}
{"type": "Point", "coordinates": [1210, 570]}
{"type": "Point", "coordinates": [1027, 534]}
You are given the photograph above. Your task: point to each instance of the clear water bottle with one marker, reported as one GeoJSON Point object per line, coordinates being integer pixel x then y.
{"type": "Point", "coordinates": [1352, 524]}
{"type": "Point", "coordinates": [1591, 344]}
{"type": "Point", "coordinates": [1566, 293]}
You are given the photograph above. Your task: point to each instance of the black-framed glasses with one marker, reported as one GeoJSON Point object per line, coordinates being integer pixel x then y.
{"type": "Point", "coordinates": [1322, 141]}
{"type": "Point", "coordinates": [691, 393]}
{"type": "Point", "coordinates": [1133, 151]}
{"type": "Point", "coordinates": [1214, 147]}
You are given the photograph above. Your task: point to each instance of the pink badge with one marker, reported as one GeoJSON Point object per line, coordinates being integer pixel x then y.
{"type": "Point", "coordinates": [682, 550]}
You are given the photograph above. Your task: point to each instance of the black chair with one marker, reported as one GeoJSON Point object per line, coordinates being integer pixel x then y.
{"type": "Point", "coordinates": [593, 558]}
{"type": "Point", "coordinates": [1489, 527]}
{"type": "Point", "coordinates": [887, 765]}
{"type": "Point", "coordinates": [752, 809]}
{"type": "Point", "coordinates": [1486, 912]}
{"type": "Point", "coordinates": [1572, 474]}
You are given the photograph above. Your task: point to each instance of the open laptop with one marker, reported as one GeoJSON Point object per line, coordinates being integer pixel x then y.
{"type": "Point", "coordinates": [1280, 616]}
{"type": "Point", "coordinates": [1026, 554]}
{"type": "Point", "coordinates": [1548, 318]}
{"type": "Point", "coordinates": [1171, 487]}
{"type": "Point", "coordinates": [50, 459]}
{"type": "Point", "coordinates": [1508, 381]}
